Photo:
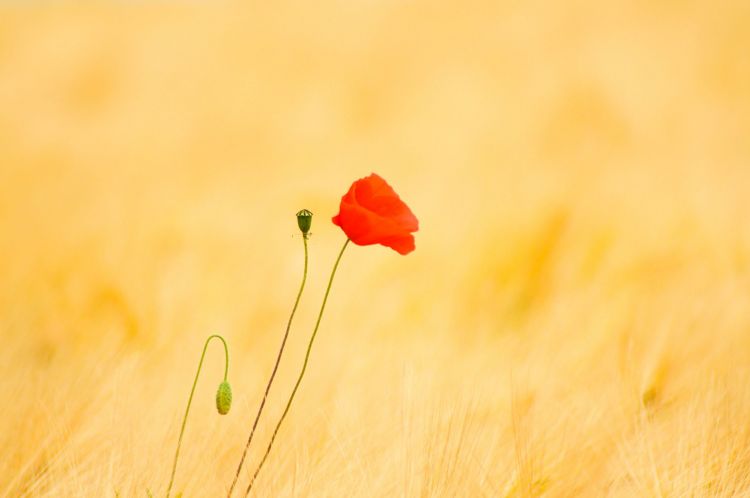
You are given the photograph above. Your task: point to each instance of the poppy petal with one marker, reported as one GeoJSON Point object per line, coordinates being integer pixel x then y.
{"type": "Point", "coordinates": [402, 244]}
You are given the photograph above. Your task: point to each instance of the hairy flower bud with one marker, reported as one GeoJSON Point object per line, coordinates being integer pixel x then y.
{"type": "Point", "coordinates": [224, 398]}
{"type": "Point", "coordinates": [304, 221]}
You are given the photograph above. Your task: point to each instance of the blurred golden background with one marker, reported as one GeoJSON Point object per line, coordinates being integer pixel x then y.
{"type": "Point", "coordinates": [574, 322]}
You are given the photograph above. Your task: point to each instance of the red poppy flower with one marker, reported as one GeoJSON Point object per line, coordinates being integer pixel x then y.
{"type": "Point", "coordinates": [372, 213]}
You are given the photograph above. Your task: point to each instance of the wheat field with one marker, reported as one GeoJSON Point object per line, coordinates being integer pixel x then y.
{"type": "Point", "coordinates": [575, 321]}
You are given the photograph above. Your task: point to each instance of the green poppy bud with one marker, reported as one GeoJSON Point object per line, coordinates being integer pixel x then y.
{"type": "Point", "coordinates": [304, 220]}
{"type": "Point", "coordinates": [224, 398]}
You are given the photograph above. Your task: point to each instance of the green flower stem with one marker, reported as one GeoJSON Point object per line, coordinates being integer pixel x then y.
{"type": "Point", "coordinates": [190, 401]}
{"type": "Point", "coordinates": [302, 372]}
{"type": "Point", "coordinates": [273, 373]}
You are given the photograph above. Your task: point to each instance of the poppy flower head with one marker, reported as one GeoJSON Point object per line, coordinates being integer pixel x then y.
{"type": "Point", "coordinates": [372, 213]}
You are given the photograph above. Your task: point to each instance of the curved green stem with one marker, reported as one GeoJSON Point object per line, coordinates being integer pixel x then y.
{"type": "Point", "coordinates": [190, 401]}
{"type": "Point", "coordinates": [302, 372]}
{"type": "Point", "coordinates": [273, 373]}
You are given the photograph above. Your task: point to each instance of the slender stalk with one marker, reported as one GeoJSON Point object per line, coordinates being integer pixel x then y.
{"type": "Point", "coordinates": [190, 401]}
{"type": "Point", "coordinates": [302, 372]}
{"type": "Point", "coordinates": [273, 373]}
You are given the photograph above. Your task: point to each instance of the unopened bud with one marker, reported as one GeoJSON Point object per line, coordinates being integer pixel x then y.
{"type": "Point", "coordinates": [304, 220]}
{"type": "Point", "coordinates": [224, 398]}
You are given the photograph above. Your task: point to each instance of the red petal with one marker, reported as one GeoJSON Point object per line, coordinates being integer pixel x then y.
{"type": "Point", "coordinates": [403, 244]}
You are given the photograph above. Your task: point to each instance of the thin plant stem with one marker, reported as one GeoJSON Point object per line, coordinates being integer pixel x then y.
{"type": "Point", "coordinates": [273, 373]}
{"type": "Point", "coordinates": [302, 372]}
{"type": "Point", "coordinates": [190, 401]}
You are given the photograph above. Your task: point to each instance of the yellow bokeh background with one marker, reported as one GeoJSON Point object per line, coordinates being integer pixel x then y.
{"type": "Point", "coordinates": [573, 323]}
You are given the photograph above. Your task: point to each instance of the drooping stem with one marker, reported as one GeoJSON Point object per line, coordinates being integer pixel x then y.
{"type": "Point", "coordinates": [273, 373]}
{"type": "Point", "coordinates": [190, 401]}
{"type": "Point", "coordinates": [302, 372]}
